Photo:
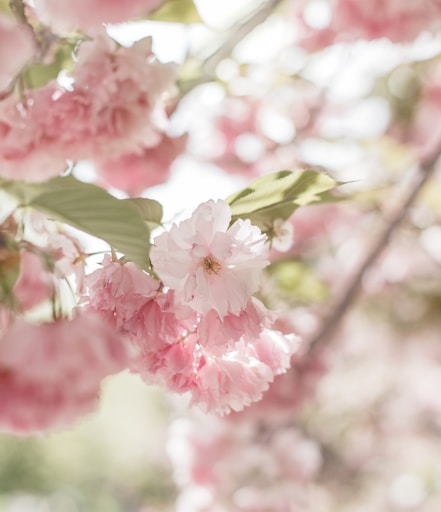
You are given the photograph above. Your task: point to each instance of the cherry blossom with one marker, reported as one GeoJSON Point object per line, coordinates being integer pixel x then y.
{"type": "Point", "coordinates": [17, 48]}
{"type": "Point", "coordinates": [209, 264]}
{"type": "Point", "coordinates": [135, 172]}
{"type": "Point", "coordinates": [116, 107]}
{"type": "Point", "coordinates": [241, 375]}
{"type": "Point", "coordinates": [400, 21]}
{"type": "Point", "coordinates": [234, 467]}
{"type": "Point", "coordinates": [34, 284]}
{"type": "Point", "coordinates": [117, 291]}
{"type": "Point", "coordinates": [86, 14]}
{"type": "Point", "coordinates": [50, 373]}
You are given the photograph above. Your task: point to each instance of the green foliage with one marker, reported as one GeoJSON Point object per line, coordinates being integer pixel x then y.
{"type": "Point", "coordinates": [297, 282]}
{"type": "Point", "coordinates": [39, 74]}
{"type": "Point", "coordinates": [91, 209]}
{"type": "Point", "coordinates": [149, 209]}
{"type": "Point", "coordinates": [21, 468]}
{"type": "Point", "coordinates": [4, 6]}
{"type": "Point", "coordinates": [177, 11]}
{"type": "Point", "coordinates": [278, 195]}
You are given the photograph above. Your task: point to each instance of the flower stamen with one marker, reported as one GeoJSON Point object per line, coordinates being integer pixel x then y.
{"type": "Point", "coordinates": [211, 265]}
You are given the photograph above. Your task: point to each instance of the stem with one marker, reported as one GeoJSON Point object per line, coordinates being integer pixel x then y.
{"type": "Point", "coordinates": [238, 32]}
{"type": "Point", "coordinates": [419, 178]}
{"type": "Point", "coordinates": [18, 10]}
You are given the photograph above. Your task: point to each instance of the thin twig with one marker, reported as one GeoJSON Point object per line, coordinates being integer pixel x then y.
{"type": "Point", "coordinates": [420, 177]}
{"type": "Point", "coordinates": [237, 33]}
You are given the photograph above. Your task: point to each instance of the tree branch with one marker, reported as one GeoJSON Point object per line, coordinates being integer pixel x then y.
{"type": "Point", "coordinates": [238, 32]}
{"type": "Point", "coordinates": [419, 178]}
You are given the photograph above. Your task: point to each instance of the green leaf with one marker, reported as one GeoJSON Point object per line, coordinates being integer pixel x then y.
{"type": "Point", "coordinates": [277, 196]}
{"type": "Point", "coordinates": [4, 6]}
{"type": "Point", "coordinates": [38, 74]}
{"type": "Point", "coordinates": [177, 11]}
{"type": "Point", "coordinates": [149, 209]}
{"type": "Point", "coordinates": [296, 281]}
{"type": "Point", "coordinates": [91, 209]}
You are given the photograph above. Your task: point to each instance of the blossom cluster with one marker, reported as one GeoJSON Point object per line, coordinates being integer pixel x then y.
{"type": "Point", "coordinates": [192, 325]}
{"type": "Point", "coordinates": [197, 327]}
{"type": "Point", "coordinates": [114, 107]}
{"type": "Point", "coordinates": [349, 20]}
{"type": "Point", "coordinates": [51, 368]}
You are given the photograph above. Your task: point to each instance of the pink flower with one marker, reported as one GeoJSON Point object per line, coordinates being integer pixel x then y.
{"type": "Point", "coordinates": [134, 172]}
{"type": "Point", "coordinates": [116, 107]}
{"type": "Point", "coordinates": [17, 48]}
{"type": "Point", "coordinates": [209, 264]}
{"type": "Point", "coordinates": [241, 375]}
{"type": "Point", "coordinates": [118, 291]}
{"type": "Point", "coordinates": [50, 374]}
{"type": "Point", "coordinates": [219, 333]}
{"type": "Point", "coordinates": [34, 284]}
{"type": "Point", "coordinates": [25, 150]}
{"type": "Point", "coordinates": [231, 382]}
{"type": "Point", "coordinates": [400, 21]}
{"type": "Point", "coordinates": [68, 257]}
{"type": "Point", "coordinates": [87, 14]}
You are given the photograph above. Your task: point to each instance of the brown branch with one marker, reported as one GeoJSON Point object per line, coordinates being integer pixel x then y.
{"type": "Point", "coordinates": [419, 178]}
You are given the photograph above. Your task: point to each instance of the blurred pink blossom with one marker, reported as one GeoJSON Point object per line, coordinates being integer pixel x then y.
{"type": "Point", "coordinates": [87, 14]}
{"type": "Point", "coordinates": [400, 21]}
{"type": "Point", "coordinates": [17, 47]}
{"type": "Point", "coordinates": [34, 284]}
{"type": "Point", "coordinates": [115, 107]}
{"type": "Point", "coordinates": [135, 172]}
{"type": "Point", "coordinates": [241, 467]}
{"type": "Point", "coordinates": [50, 373]}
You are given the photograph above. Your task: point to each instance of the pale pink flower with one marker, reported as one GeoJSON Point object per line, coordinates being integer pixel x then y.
{"type": "Point", "coordinates": [220, 374]}
{"type": "Point", "coordinates": [50, 373]}
{"type": "Point", "coordinates": [276, 349]}
{"type": "Point", "coordinates": [174, 366]}
{"type": "Point", "coordinates": [25, 151]}
{"type": "Point", "coordinates": [223, 363]}
{"type": "Point", "coordinates": [215, 331]}
{"type": "Point", "coordinates": [209, 264]}
{"type": "Point", "coordinates": [87, 14]}
{"type": "Point", "coordinates": [239, 377]}
{"type": "Point", "coordinates": [135, 172]}
{"type": "Point", "coordinates": [290, 390]}
{"type": "Point", "coordinates": [17, 47]}
{"type": "Point", "coordinates": [157, 323]}
{"type": "Point", "coordinates": [34, 284]}
{"type": "Point", "coordinates": [400, 21]}
{"type": "Point", "coordinates": [116, 107]}
{"type": "Point", "coordinates": [244, 467]}
{"type": "Point", "coordinates": [230, 382]}
{"type": "Point", "coordinates": [118, 291]}
{"type": "Point", "coordinates": [69, 257]}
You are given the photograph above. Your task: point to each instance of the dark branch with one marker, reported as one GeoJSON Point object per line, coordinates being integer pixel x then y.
{"type": "Point", "coordinates": [419, 178]}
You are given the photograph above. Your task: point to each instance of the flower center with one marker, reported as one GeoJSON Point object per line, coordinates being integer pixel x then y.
{"type": "Point", "coordinates": [211, 265]}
